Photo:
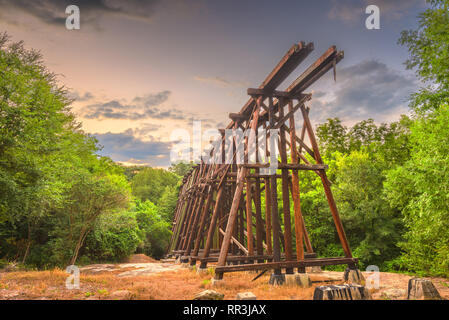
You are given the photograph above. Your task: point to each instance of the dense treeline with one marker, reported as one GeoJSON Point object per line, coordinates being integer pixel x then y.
{"type": "Point", "coordinates": [391, 182]}
{"type": "Point", "coordinates": [61, 203]}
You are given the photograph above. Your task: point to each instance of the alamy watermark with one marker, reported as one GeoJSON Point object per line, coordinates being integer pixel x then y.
{"type": "Point", "coordinates": [373, 280]}
{"type": "Point", "coordinates": [73, 280]}
{"type": "Point", "coordinates": [373, 20]}
{"type": "Point", "coordinates": [73, 21]}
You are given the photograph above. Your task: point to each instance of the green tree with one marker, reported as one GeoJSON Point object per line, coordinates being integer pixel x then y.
{"type": "Point", "coordinates": [150, 183]}
{"type": "Point", "coordinates": [106, 193]}
{"type": "Point", "coordinates": [419, 188]}
{"type": "Point", "coordinates": [155, 230]}
{"type": "Point", "coordinates": [372, 226]}
{"type": "Point", "coordinates": [51, 178]}
{"type": "Point", "coordinates": [429, 55]}
{"type": "Point", "coordinates": [34, 125]}
{"type": "Point", "coordinates": [332, 136]}
{"type": "Point", "coordinates": [114, 238]}
{"type": "Point", "coordinates": [167, 203]}
{"type": "Point", "coordinates": [181, 168]}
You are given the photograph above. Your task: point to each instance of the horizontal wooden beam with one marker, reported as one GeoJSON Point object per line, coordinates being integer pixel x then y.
{"type": "Point", "coordinates": [237, 117]}
{"type": "Point", "coordinates": [274, 93]}
{"type": "Point", "coordinates": [289, 166]}
{"type": "Point", "coordinates": [288, 264]}
{"type": "Point", "coordinates": [291, 60]}
{"type": "Point", "coordinates": [213, 258]}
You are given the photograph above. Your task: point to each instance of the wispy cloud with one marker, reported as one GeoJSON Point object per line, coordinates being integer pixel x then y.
{"type": "Point", "coordinates": [351, 11]}
{"type": "Point", "coordinates": [145, 107]}
{"type": "Point", "coordinates": [53, 11]}
{"type": "Point", "coordinates": [75, 95]}
{"type": "Point", "coordinates": [125, 147]}
{"type": "Point", "coordinates": [369, 89]}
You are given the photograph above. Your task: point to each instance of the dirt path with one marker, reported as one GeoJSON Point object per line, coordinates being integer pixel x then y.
{"type": "Point", "coordinates": [169, 281]}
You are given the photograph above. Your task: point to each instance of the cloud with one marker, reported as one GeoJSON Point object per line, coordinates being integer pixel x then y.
{"type": "Point", "coordinates": [75, 95]}
{"type": "Point", "coordinates": [151, 100]}
{"type": "Point", "coordinates": [351, 11]}
{"type": "Point", "coordinates": [146, 128]}
{"type": "Point", "coordinates": [53, 11]}
{"type": "Point", "coordinates": [125, 147]}
{"type": "Point", "coordinates": [221, 82]}
{"type": "Point", "coordinates": [146, 107]}
{"type": "Point", "coordinates": [369, 89]}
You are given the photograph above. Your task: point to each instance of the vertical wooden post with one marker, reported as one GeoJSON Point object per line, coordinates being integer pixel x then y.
{"type": "Point", "coordinates": [295, 189]}
{"type": "Point", "coordinates": [213, 223]}
{"type": "Point", "coordinates": [249, 218]}
{"type": "Point", "coordinates": [274, 203]}
{"type": "Point", "coordinates": [285, 190]}
{"type": "Point", "coordinates": [235, 205]}
{"type": "Point", "coordinates": [204, 213]}
{"type": "Point", "coordinates": [326, 185]}
{"type": "Point", "coordinates": [268, 216]}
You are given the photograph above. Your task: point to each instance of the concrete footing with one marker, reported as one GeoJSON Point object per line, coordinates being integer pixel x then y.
{"type": "Point", "coordinates": [314, 269]}
{"type": "Point", "coordinates": [354, 276]}
{"type": "Point", "coordinates": [298, 279]}
{"type": "Point", "coordinates": [277, 279]}
{"type": "Point", "coordinates": [422, 289]}
{"type": "Point", "coordinates": [295, 279]}
{"type": "Point", "coordinates": [342, 292]}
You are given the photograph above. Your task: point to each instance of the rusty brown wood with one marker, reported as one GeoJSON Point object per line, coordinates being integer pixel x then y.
{"type": "Point", "coordinates": [326, 185]}
{"type": "Point", "coordinates": [295, 189]}
{"type": "Point", "coordinates": [202, 223]}
{"type": "Point", "coordinates": [274, 204]}
{"type": "Point", "coordinates": [285, 190]}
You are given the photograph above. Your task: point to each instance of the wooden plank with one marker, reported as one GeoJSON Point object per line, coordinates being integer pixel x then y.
{"type": "Point", "coordinates": [290, 166]}
{"type": "Point", "coordinates": [236, 242]}
{"type": "Point", "coordinates": [285, 192]}
{"type": "Point", "coordinates": [326, 185]}
{"type": "Point", "coordinates": [283, 69]}
{"type": "Point", "coordinates": [235, 205]}
{"type": "Point", "coordinates": [288, 264]}
{"type": "Point", "coordinates": [274, 93]}
{"type": "Point", "coordinates": [295, 189]}
{"type": "Point", "coordinates": [245, 258]}
{"type": "Point", "coordinates": [274, 204]}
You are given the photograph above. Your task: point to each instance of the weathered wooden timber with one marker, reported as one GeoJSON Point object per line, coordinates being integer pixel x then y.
{"type": "Point", "coordinates": [228, 213]}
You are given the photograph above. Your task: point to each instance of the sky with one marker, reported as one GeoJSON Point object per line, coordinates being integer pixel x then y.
{"type": "Point", "coordinates": [139, 69]}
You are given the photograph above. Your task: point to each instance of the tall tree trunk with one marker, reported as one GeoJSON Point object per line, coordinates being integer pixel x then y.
{"type": "Point", "coordinates": [79, 244]}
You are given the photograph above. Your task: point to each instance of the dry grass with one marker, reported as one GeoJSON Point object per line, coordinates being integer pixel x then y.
{"type": "Point", "coordinates": [181, 284]}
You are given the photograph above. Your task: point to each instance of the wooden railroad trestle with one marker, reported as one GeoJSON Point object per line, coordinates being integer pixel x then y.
{"type": "Point", "coordinates": [220, 216]}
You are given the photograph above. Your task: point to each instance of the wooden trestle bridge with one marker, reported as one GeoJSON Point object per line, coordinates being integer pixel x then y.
{"type": "Point", "coordinates": [228, 213]}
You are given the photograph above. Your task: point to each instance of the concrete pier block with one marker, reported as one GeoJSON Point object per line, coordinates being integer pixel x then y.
{"type": "Point", "coordinates": [354, 276]}
{"type": "Point", "coordinates": [422, 289]}
{"type": "Point", "coordinates": [277, 279]}
{"type": "Point", "coordinates": [341, 292]}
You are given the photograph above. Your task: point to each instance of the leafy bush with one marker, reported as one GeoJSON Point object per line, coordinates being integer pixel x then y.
{"type": "Point", "coordinates": [114, 237]}
{"type": "Point", "coordinates": [155, 230]}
